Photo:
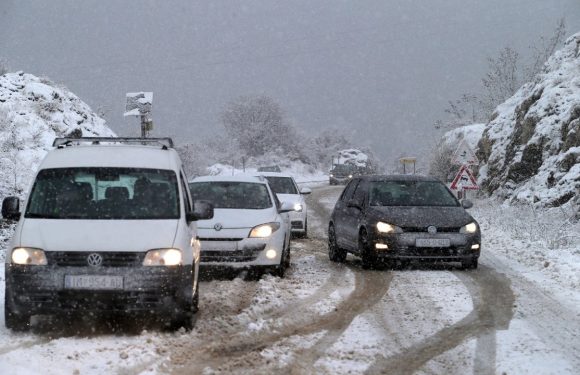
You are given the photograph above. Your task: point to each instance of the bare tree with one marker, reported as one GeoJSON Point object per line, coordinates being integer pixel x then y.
{"type": "Point", "coordinates": [502, 80]}
{"type": "Point", "coordinates": [543, 49]}
{"type": "Point", "coordinates": [3, 66]}
{"type": "Point", "coordinates": [258, 125]}
{"type": "Point", "coordinates": [506, 74]}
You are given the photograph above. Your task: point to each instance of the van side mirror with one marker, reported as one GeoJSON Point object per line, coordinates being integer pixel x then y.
{"type": "Point", "coordinates": [202, 210]}
{"type": "Point", "coordinates": [11, 208]}
{"type": "Point", "coordinates": [305, 191]}
{"type": "Point", "coordinates": [466, 203]}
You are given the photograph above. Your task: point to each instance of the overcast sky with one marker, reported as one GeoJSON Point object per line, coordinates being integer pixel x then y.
{"type": "Point", "coordinates": [380, 70]}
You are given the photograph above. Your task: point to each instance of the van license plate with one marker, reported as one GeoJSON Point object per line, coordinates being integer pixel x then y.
{"type": "Point", "coordinates": [432, 242]}
{"type": "Point", "coordinates": [93, 282]}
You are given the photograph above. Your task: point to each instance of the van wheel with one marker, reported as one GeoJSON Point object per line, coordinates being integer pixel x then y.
{"type": "Point", "coordinates": [195, 304]}
{"type": "Point", "coordinates": [13, 320]}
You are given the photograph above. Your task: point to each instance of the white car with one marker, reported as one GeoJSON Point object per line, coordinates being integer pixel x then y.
{"type": "Point", "coordinates": [287, 191]}
{"type": "Point", "coordinates": [108, 227]}
{"type": "Point", "coordinates": [250, 228]}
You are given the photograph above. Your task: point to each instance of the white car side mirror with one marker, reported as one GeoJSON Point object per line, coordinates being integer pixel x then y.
{"type": "Point", "coordinates": [305, 191]}
{"type": "Point", "coordinates": [286, 207]}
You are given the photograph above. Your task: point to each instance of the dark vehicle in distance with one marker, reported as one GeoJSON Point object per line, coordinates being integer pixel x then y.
{"type": "Point", "coordinates": [269, 168]}
{"type": "Point", "coordinates": [400, 218]}
{"type": "Point", "coordinates": [341, 174]}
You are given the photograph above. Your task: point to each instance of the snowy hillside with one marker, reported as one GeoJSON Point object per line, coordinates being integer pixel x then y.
{"type": "Point", "coordinates": [530, 151]}
{"type": "Point", "coordinates": [33, 111]}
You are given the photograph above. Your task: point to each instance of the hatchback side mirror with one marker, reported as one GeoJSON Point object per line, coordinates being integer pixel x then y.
{"type": "Point", "coordinates": [466, 203]}
{"type": "Point", "coordinates": [202, 210]}
{"type": "Point", "coordinates": [354, 204]}
{"type": "Point", "coordinates": [305, 191]}
{"type": "Point", "coordinates": [11, 208]}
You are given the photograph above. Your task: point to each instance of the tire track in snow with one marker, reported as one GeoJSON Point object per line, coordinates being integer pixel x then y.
{"type": "Point", "coordinates": [493, 302]}
{"type": "Point", "coordinates": [370, 287]}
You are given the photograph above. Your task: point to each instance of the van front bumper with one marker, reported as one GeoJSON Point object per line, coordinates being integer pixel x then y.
{"type": "Point", "coordinates": [35, 290]}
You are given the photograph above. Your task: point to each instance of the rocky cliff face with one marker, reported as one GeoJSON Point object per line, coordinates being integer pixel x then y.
{"type": "Point", "coordinates": [33, 111]}
{"type": "Point", "coordinates": [530, 151]}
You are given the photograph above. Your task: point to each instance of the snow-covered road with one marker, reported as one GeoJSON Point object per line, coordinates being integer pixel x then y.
{"type": "Point", "coordinates": [335, 319]}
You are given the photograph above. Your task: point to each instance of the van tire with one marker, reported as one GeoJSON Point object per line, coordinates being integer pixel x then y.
{"type": "Point", "coordinates": [12, 319]}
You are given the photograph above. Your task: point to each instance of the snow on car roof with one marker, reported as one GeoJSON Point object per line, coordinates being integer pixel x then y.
{"type": "Point", "coordinates": [128, 156]}
{"type": "Point", "coordinates": [236, 178]}
{"type": "Point", "coordinates": [273, 174]}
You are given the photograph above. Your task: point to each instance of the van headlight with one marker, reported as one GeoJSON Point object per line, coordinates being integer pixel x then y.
{"type": "Point", "coordinates": [264, 230]}
{"type": "Point", "coordinates": [28, 256]}
{"type": "Point", "coordinates": [469, 228]}
{"type": "Point", "coordinates": [163, 257]}
{"type": "Point", "coordinates": [388, 228]}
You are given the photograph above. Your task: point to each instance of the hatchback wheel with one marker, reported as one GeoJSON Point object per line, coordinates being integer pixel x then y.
{"type": "Point", "coordinates": [470, 264]}
{"type": "Point", "coordinates": [335, 253]}
{"type": "Point", "coordinates": [369, 259]}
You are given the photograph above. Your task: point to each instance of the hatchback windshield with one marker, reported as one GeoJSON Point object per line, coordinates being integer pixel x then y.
{"type": "Point", "coordinates": [237, 195]}
{"type": "Point", "coordinates": [104, 193]}
{"type": "Point", "coordinates": [410, 193]}
{"type": "Point", "coordinates": [282, 185]}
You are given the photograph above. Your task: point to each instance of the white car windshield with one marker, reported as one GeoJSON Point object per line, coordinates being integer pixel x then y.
{"type": "Point", "coordinates": [282, 185]}
{"type": "Point", "coordinates": [104, 193]}
{"type": "Point", "coordinates": [232, 194]}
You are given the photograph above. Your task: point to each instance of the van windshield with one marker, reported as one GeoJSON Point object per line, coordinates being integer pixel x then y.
{"type": "Point", "coordinates": [104, 193]}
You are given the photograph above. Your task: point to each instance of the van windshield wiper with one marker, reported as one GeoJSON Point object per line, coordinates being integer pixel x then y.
{"type": "Point", "coordinates": [33, 215]}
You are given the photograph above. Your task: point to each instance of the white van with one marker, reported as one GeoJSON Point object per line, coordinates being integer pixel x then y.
{"type": "Point", "coordinates": [108, 227]}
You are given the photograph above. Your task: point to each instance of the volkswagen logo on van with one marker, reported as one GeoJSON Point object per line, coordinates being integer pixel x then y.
{"type": "Point", "coordinates": [218, 226]}
{"type": "Point", "coordinates": [432, 229]}
{"type": "Point", "coordinates": [95, 260]}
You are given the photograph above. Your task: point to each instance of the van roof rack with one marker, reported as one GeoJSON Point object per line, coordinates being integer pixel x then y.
{"type": "Point", "coordinates": [64, 142]}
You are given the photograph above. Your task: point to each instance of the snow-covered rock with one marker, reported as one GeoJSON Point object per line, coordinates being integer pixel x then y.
{"type": "Point", "coordinates": [531, 149]}
{"type": "Point", "coordinates": [33, 111]}
{"type": "Point", "coordinates": [354, 157]}
{"type": "Point", "coordinates": [470, 133]}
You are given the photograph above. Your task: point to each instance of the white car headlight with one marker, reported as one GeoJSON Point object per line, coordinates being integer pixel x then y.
{"type": "Point", "coordinates": [28, 256]}
{"type": "Point", "coordinates": [388, 228]}
{"type": "Point", "coordinates": [163, 257]}
{"type": "Point", "coordinates": [469, 228]}
{"type": "Point", "coordinates": [298, 207]}
{"type": "Point", "coordinates": [264, 230]}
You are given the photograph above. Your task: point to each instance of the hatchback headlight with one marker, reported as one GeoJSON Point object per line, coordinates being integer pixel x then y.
{"type": "Point", "coordinates": [264, 230]}
{"type": "Point", "coordinates": [469, 228]}
{"type": "Point", "coordinates": [28, 256]}
{"type": "Point", "coordinates": [388, 228]}
{"type": "Point", "coordinates": [163, 257]}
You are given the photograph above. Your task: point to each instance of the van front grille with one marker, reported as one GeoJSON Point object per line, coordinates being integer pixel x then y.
{"type": "Point", "coordinates": [80, 258]}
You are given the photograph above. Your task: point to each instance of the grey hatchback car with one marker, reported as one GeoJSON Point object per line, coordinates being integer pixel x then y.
{"type": "Point", "coordinates": [400, 218]}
